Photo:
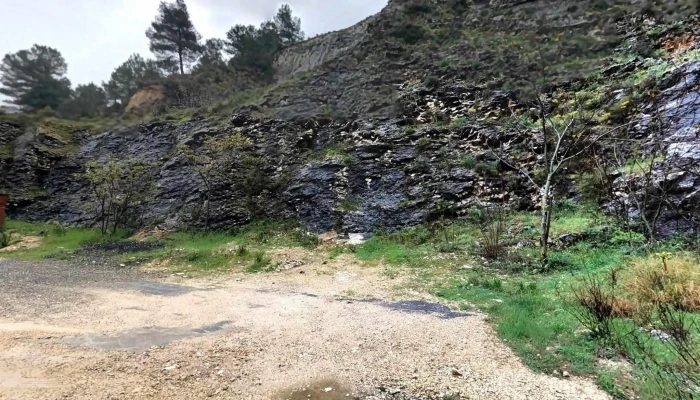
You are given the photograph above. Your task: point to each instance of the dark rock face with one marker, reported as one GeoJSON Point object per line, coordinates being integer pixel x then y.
{"type": "Point", "coordinates": [352, 177]}
{"type": "Point", "coordinates": [669, 137]}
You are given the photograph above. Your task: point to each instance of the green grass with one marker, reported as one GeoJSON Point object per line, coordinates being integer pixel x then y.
{"type": "Point", "coordinates": [529, 310]}
{"type": "Point", "coordinates": [607, 380]}
{"type": "Point", "coordinates": [197, 253]}
{"type": "Point", "coordinates": [54, 240]}
{"type": "Point", "coordinates": [340, 151]}
{"type": "Point", "coordinates": [202, 253]}
{"type": "Point", "coordinates": [530, 317]}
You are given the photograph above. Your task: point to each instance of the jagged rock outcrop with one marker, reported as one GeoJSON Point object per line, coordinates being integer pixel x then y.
{"type": "Point", "coordinates": [354, 177]}
{"type": "Point", "coordinates": [351, 176]}
{"type": "Point", "coordinates": [319, 50]}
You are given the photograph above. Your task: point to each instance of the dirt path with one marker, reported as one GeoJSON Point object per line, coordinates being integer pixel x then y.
{"type": "Point", "coordinates": [93, 332]}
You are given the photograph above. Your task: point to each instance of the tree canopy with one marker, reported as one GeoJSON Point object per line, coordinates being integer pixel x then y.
{"type": "Point", "coordinates": [173, 36]}
{"type": "Point", "coordinates": [86, 101]}
{"type": "Point", "coordinates": [253, 48]}
{"type": "Point", "coordinates": [35, 78]}
{"type": "Point", "coordinates": [127, 78]}
{"type": "Point", "coordinates": [211, 53]}
{"type": "Point", "coordinates": [288, 26]}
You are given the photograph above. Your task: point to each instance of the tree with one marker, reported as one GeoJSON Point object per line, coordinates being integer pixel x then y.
{"type": "Point", "coordinates": [558, 138]}
{"type": "Point", "coordinates": [173, 35]}
{"type": "Point", "coordinates": [86, 101]}
{"type": "Point", "coordinates": [34, 78]}
{"type": "Point", "coordinates": [50, 93]}
{"type": "Point", "coordinates": [118, 189]}
{"type": "Point", "coordinates": [127, 78]}
{"type": "Point", "coordinates": [288, 26]}
{"type": "Point", "coordinates": [253, 48]}
{"type": "Point", "coordinates": [211, 53]}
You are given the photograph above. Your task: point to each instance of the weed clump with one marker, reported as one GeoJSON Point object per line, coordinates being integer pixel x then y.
{"type": "Point", "coordinates": [666, 280]}
{"type": "Point", "coordinates": [261, 263]}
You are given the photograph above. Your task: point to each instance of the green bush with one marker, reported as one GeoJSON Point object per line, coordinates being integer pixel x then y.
{"type": "Point", "coordinates": [410, 33]}
{"type": "Point", "coordinates": [5, 238]}
{"type": "Point", "coordinates": [621, 237]}
{"type": "Point", "coordinates": [488, 169]}
{"type": "Point", "coordinates": [458, 122]}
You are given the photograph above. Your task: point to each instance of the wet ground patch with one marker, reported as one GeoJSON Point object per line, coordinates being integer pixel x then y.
{"type": "Point", "coordinates": [154, 288]}
{"type": "Point", "coordinates": [418, 307]}
{"type": "Point", "coordinates": [327, 389]}
{"type": "Point", "coordinates": [122, 247]}
{"type": "Point", "coordinates": [142, 338]}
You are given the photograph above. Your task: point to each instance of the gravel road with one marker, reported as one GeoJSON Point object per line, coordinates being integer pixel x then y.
{"type": "Point", "coordinates": [326, 330]}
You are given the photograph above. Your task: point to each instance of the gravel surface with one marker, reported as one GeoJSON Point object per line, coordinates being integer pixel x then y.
{"type": "Point", "coordinates": [98, 332]}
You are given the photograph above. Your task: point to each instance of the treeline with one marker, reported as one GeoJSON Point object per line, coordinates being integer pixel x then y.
{"type": "Point", "coordinates": [35, 79]}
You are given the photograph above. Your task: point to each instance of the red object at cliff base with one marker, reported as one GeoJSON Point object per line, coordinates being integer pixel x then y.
{"type": "Point", "coordinates": [3, 203]}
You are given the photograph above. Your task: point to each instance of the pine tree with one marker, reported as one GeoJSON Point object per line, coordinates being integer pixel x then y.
{"type": "Point", "coordinates": [211, 53]}
{"type": "Point", "coordinates": [253, 48]}
{"type": "Point", "coordinates": [86, 101]}
{"type": "Point", "coordinates": [35, 78]}
{"type": "Point", "coordinates": [127, 78]}
{"type": "Point", "coordinates": [288, 26]}
{"type": "Point", "coordinates": [172, 35]}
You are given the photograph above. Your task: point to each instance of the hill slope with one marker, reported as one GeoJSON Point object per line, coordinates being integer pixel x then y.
{"type": "Point", "coordinates": [501, 44]}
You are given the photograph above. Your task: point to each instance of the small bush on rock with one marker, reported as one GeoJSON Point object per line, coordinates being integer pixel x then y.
{"type": "Point", "coordinates": [118, 188]}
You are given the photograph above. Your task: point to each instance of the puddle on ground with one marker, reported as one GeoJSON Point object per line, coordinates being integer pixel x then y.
{"type": "Point", "coordinates": [320, 390]}
{"type": "Point", "coordinates": [153, 288]}
{"type": "Point", "coordinates": [142, 338]}
{"type": "Point", "coordinates": [126, 246]}
{"type": "Point", "coordinates": [418, 307]}
{"type": "Point", "coordinates": [134, 309]}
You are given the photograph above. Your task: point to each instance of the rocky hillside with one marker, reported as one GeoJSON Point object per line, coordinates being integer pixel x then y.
{"type": "Point", "coordinates": [354, 73]}
{"type": "Point", "coordinates": [427, 154]}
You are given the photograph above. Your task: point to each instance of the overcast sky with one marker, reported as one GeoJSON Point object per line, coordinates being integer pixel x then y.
{"type": "Point", "coordinates": [95, 36]}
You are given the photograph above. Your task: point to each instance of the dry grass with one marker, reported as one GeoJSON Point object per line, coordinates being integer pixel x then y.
{"type": "Point", "coordinates": [679, 44]}
{"type": "Point", "coordinates": [662, 280]}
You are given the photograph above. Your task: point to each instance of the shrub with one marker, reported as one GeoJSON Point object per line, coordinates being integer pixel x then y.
{"type": "Point", "coordinates": [423, 142]}
{"type": "Point", "coordinates": [668, 347]}
{"type": "Point", "coordinates": [593, 187]}
{"type": "Point", "coordinates": [487, 168]}
{"type": "Point", "coordinates": [446, 235]}
{"type": "Point", "coordinates": [242, 250]}
{"type": "Point", "coordinates": [458, 122]}
{"type": "Point", "coordinates": [5, 238]}
{"type": "Point", "coordinates": [662, 280]}
{"type": "Point", "coordinates": [468, 161]}
{"type": "Point", "coordinates": [492, 230]}
{"type": "Point", "coordinates": [261, 263]}
{"type": "Point", "coordinates": [57, 228]}
{"type": "Point", "coordinates": [626, 237]}
{"type": "Point", "coordinates": [410, 33]}
{"type": "Point", "coordinates": [118, 188]}
{"type": "Point", "coordinates": [596, 303]}
{"type": "Point", "coordinates": [305, 239]}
